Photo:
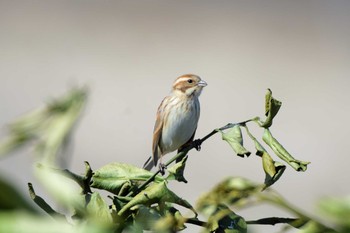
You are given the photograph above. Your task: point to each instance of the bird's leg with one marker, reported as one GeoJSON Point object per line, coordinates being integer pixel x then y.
{"type": "Point", "coordinates": [162, 168]}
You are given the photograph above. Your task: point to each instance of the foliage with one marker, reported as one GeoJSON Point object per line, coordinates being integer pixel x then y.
{"type": "Point", "coordinates": [141, 200]}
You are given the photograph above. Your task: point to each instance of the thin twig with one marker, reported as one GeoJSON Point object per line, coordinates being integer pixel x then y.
{"type": "Point", "coordinates": [263, 221]}
{"type": "Point", "coordinates": [196, 222]}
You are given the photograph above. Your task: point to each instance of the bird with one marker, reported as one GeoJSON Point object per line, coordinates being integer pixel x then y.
{"type": "Point", "coordinates": [177, 118]}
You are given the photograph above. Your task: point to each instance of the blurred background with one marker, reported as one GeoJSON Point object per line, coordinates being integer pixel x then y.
{"type": "Point", "coordinates": [129, 52]}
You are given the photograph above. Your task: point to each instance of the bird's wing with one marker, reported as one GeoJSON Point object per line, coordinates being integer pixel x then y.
{"type": "Point", "coordinates": [157, 132]}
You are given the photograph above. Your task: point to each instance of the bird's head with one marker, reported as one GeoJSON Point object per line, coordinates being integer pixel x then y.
{"type": "Point", "coordinates": [189, 84]}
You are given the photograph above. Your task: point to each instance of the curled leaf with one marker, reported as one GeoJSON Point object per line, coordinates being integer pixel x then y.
{"type": "Point", "coordinates": [98, 210]}
{"type": "Point", "coordinates": [146, 217]}
{"type": "Point", "coordinates": [54, 182]}
{"type": "Point", "coordinates": [63, 114]}
{"type": "Point", "coordinates": [177, 171]}
{"type": "Point", "coordinates": [273, 170]}
{"type": "Point", "coordinates": [173, 221]}
{"type": "Point", "coordinates": [230, 191]}
{"type": "Point", "coordinates": [272, 106]}
{"type": "Point", "coordinates": [235, 140]}
{"type": "Point", "coordinates": [225, 220]}
{"type": "Point", "coordinates": [155, 193]}
{"type": "Point", "coordinates": [49, 127]}
{"type": "Point", "coordinates": [114, 176]}
{"type": "Point", "coordinates": [42, 203]}
{"type": "Point", "coordinates": [23, 130]}
{"type": "Point", "coordinates": [259, 148]}
{"type": "Point", "coordinates": [83, 181]}
{"type": "Point", "coordinates": [12, 143]}
{"type": "Point", "coordinates": [281, 152]}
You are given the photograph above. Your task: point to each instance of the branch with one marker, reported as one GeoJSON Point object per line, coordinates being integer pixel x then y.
{"type": "Point", "coordinates": [198, 142]}
{"type": "Point", "coordinates": [194, 144]}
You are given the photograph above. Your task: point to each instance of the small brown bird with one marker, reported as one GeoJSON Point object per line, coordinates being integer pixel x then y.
{"type": "Point", "coordinates": [177, 117]}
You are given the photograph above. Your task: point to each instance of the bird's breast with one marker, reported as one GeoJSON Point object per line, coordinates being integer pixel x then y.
{"type": "Point", "coordinates": [180, 124]}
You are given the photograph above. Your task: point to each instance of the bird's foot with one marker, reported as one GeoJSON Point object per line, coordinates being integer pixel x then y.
{"type": "Point", "coordinates": [197, 144]}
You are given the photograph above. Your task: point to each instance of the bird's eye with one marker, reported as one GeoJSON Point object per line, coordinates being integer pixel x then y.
{"type": "Point", "coordinates": [190, 81]}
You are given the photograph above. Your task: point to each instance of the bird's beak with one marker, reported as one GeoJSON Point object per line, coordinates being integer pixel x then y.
{"type": "Point", "coordinates": [202, 83]}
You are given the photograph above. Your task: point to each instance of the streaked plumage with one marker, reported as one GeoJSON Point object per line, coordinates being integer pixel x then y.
{"type": "Point", "coordinates": [177, 117]}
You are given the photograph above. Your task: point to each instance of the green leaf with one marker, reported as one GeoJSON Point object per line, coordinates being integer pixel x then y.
{"type": "Point", "coordinates": [235, 140]}
{"type": "Point", "coordinates": [173, 221]}
{"type": "Point", "coordinates": [48, 127]}
{"type": "Point", "coordinates": [98, 210]}
{"type": "Point", "coordinates": [42, 203]}
{"type": "Point", "coordinates": [155, 193]}
{"type": "Point", "coordinates": [259, 148]}
{"type": "Point", "coordinates": [177, 171]}
{"type": "Point", "coordinates": [336, 210]}
{"type": "Point", "coordinates": [223, 219]}
{"type": "Point", "coordinates": [114, 176]}
{"type": "Point", "coordinates": [63, 114]}
{"type": "Point", "coordinates": [30, 122]}
{"type": "Point", "coordinates": [230, 191]}
{"type": "Point", "coordinates": [146, 217]}
{"type": "Point", "coordinates": [23, 130]}
{"type": "Point", "coordinates": [12, 143]}
{"type": "Point", "coordinates": [12, 199]}
{"type": "Point", "coordinates": [54, 182]}
{"type": "Point", "coordinates": [273, 170]}
{"type": "Point", "coordinates": [18, 222]}
{"type": "Point", "coordinates": [268, 165]}
{"type": "Point", "coordinates": [83, 181]}
{"type": "Point", "coordinates": [281, 152]}
{"type": "Point", "coordinates": [272, 106]}
{"type": "Point", "coordinates": [315, 227]}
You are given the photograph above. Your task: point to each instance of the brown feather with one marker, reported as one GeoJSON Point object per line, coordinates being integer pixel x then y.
{"type": "Point", "coordinates": [157, 134]}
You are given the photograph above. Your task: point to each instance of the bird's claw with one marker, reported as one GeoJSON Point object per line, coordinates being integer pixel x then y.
{"type": "Point", "coordinates": [197, 144]}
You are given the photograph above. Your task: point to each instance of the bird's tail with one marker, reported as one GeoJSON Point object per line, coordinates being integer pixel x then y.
{"type": "Point", "coordinates": [149, 164]}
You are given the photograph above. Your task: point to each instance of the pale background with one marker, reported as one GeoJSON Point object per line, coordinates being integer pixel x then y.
{"type": "Point", "coordinates": [129, 52]}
